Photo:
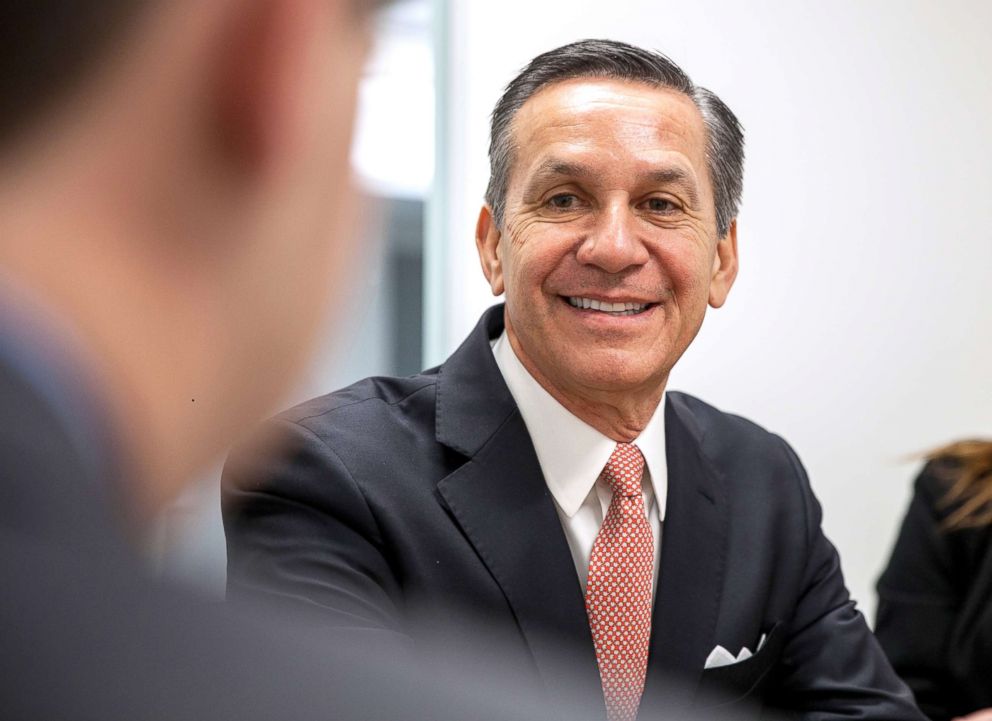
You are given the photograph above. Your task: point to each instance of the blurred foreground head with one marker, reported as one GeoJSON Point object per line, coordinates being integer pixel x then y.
{"type": "Point", "coordinates": [174, 186]}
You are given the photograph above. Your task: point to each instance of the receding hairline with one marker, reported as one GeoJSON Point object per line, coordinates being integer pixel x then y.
{"type": "Point", "coordinates": [613, 60]}
{"type": "Point", "coordinates": [564, 166]}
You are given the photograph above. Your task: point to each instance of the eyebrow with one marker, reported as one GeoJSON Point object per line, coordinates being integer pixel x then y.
{"type": "Point", "coordinates": [554, 168]}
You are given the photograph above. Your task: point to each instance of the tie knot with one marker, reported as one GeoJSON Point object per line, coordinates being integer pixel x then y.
{"type": "Point", "coordinates": [625, 469]}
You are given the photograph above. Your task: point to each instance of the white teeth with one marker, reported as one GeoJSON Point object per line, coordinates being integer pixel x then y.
{"type": "Point", "coordinates": [607, 307]}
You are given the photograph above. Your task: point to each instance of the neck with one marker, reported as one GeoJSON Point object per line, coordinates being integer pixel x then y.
{"type": "Point", "coordinates": [620, 415]}
{"type": "Point", "coordinates": [143, 365]}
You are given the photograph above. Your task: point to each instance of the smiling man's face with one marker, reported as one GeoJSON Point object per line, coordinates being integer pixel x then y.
{"type": "Point", "coordinates": [609, 252]}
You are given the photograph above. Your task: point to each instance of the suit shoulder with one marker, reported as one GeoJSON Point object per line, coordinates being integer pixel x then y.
{"type": "Point", "coordinates": [740, 447]}
{"type": "Point", "coordinates": [375, 396]}
{"type": "Point", "coordinates": [936, 478]}
{"type": "Point", "coordinates": [339, 427]}
{"type": "Point", "coordinates": [761, 468]}
{"type": "Point", "coordinates": [933, 487]}
{"type": "Point", "coordinates": [716, 424]}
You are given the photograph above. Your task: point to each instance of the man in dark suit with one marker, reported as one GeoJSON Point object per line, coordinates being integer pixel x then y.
{"type": "Point", "coordinates": [173, 212]}
{"type": "Point", "coordinates": [541, 478]}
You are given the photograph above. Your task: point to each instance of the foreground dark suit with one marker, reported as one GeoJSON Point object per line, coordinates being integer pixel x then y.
{"type": "Point", "coordinates": [935, 603]}
{"type": "Point", "coordinates": [84, 634]}
{"type": "Point", "coordinates": [402, 498]}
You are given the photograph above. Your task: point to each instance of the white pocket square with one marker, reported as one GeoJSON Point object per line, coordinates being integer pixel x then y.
{"type": "Point", "coordinates": [720, 656]}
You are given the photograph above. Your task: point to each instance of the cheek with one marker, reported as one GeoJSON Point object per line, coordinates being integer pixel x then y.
{"type": "Point", "coordinates": [530, 260]}
{"type": "Point", "coordinates": [542, 260]}
{"type": "Point", "coordinates": [688, 269]}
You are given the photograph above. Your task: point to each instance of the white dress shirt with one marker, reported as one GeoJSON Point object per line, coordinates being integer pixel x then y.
{"type": "Point", "coordinates": [572, 455]}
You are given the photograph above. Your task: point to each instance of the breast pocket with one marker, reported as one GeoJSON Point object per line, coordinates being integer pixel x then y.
{"type": "Point", "coordinates": [736, 682]}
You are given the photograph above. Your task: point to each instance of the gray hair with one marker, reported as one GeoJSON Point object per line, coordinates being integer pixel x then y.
{"type": "Point", "coordinates": [620, 61]}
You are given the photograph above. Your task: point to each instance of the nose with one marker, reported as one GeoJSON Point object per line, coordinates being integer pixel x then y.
{"type": "Point", "coordinates": [614, 245]}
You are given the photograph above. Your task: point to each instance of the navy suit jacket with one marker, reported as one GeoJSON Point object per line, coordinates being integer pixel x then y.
{"type": "Point", "coordinates": [403, 499]}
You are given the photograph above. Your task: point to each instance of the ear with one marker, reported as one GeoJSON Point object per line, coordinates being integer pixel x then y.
{"type": "Point", "coordinates": [724, 267]}
{"type": "Point", "coordinates": [487, 239]}
{"type": "Point", "coordinates": [259, 95]}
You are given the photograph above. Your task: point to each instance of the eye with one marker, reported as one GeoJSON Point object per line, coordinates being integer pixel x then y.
{"type": "Point", "coordinates": [660, 205]}
{"type": "Point", "coordinates": [564, 201]}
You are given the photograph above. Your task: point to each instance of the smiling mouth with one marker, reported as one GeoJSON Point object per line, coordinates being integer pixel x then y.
{"type": "Point", "coordinates": [602, 306]}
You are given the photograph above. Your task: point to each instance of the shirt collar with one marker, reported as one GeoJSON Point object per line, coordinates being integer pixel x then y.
{"type": "Point", "coordinates": [571, 452]}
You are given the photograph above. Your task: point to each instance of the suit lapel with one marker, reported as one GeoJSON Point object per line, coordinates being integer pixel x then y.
{"type": "Point", "coordinates": [502, 505]}
{"type": "Point", "coordinates": [693, 553]}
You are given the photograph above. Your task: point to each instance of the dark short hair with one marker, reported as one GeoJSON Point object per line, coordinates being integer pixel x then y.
{"type": "Point", "coordinates": [48, 46]}
{"type": "Point", "coordinates": [616, 60]}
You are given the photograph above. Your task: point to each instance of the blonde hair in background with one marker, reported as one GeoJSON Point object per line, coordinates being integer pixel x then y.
{"type": "Point", "coordinates": [969, 469]}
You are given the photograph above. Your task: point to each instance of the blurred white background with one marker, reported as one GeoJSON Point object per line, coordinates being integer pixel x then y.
{"type": "Point", "coordinates": [860, 327]}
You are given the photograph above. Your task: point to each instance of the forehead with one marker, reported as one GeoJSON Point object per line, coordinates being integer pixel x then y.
{"type": "Point", "coordinates": [610, 122]}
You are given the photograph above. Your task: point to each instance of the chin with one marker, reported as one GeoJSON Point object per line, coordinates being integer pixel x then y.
{"type": "Point", "coordinates": [619, 373]}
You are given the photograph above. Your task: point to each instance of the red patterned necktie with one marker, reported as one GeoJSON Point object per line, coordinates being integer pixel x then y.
{"type": "Point", "coordinates": [618, 590]}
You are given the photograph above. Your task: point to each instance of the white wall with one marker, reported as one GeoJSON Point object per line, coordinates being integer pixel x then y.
{"type": "Point", "coordinates": [860, 324]}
